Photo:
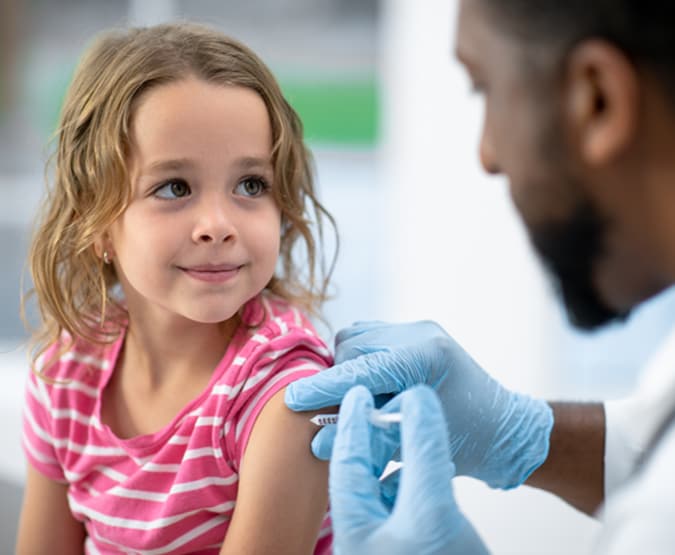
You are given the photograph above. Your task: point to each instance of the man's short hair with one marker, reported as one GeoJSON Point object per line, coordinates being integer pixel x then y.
{"type": "Point", "coordinates": [643, 29]}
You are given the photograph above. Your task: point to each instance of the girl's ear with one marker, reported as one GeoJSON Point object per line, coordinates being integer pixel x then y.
{"type": "Point", "coordinates": [98, 247]}
{"type": "Point", "coordinates": [103, 247]}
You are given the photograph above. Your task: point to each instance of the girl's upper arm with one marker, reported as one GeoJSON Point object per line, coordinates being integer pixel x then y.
{"type": "Point", "coordinates": [283, 489]}
{"type": "Point", "coordinates": [46, 524]}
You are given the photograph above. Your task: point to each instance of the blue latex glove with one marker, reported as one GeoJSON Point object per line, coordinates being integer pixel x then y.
{"type": "Point", "coordinates": [425, 519]}
{"type": "Point", "coordinates": [497, 436]}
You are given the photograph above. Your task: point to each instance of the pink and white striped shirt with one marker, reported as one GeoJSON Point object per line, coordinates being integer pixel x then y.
{"type": "Point", "coordinates": [172, 491]}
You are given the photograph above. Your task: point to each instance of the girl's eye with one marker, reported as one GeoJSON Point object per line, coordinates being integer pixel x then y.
{"type": "Point", "coordinates": [252, 187]}
{"type": "Point", "coordinates": [176, 188]}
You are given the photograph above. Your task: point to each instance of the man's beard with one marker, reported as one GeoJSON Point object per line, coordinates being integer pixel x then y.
{"type": "Point", "coordinates": [569, 251]}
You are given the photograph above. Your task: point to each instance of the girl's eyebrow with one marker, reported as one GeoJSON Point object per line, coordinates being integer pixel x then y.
{"type": "Point", "coordinates": [246, 163]}
{"type": "Point", "coordinates": [250, 162]}
{"type": "Point", "coordinates": [171, 164]}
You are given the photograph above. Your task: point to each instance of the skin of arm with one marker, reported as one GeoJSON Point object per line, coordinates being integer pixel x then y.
{"type": "Point", "coordinates": [283, 488]}
{"type": "Point", "coordinates": [574, 468]}
{"type": "Point", "coordinates": [46, 524]}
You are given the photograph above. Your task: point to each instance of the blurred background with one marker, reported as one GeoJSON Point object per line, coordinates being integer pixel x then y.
{"type": "Point", "coordinates": [424, 234]}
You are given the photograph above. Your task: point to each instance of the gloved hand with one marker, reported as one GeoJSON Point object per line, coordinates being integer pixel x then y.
{"type": "Point", "coordinates": [425, 519]}
{"type": "Point", "coordinates": [497, 436]}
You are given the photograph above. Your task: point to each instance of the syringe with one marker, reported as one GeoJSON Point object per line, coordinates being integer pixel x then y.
{"type": "Point", "coordinates": [376, 418]}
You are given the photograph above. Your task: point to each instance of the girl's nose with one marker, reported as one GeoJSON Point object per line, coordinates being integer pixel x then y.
{"type": "Point", "coordinates": [213, 223]}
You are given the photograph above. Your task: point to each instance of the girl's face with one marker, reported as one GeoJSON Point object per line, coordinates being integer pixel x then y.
{"type": "Point", "coordinates": [201, 234]}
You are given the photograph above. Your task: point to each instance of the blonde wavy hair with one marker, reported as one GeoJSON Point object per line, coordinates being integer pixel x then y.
{"type": "Point", "coordinates": [91, 187]}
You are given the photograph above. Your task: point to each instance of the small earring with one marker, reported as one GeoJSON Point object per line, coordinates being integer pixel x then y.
{"type": "Point", "coordinates": [106, 257]}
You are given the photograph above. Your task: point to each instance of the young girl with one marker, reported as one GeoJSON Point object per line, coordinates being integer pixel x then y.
{"type": "Point", "coordinates": [172, 310]}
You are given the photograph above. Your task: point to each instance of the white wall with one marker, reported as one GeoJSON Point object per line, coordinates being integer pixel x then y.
{"type": "Point", "coordinates": [457, 254]}
{"type": "Point", "coordinates": [457, 251]}
{"type": "Point", "coordinates": [13, 371]}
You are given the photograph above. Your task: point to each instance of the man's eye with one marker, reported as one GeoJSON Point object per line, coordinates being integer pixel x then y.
{"type": "Point", "coordinates": [252, 187]}
{"type": "Point", "coordinates": [478, 88]}
{"type": "Point", "coordinates": [176, 188]}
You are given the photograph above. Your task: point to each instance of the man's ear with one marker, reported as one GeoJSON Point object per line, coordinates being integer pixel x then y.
{"type": "Point", "coordinates": [601, 100]}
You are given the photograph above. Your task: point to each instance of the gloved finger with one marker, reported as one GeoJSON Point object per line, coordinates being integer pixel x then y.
{"type": "Point", "coordinates": [388, 444]}
{"type": "Point", "coordinates": [322, 444]}
{"type": "Point", "coordinates": [327, 388]}
{"type": "Point", "coordinates": [354, 488]}
{"type": "Point", "coordinates": [385, 446]}
{"type": "Point", "coordinates": [389, 487]}
{"type": "Point", "coordinates": [357, 328]}
{"type": "Point", "coordinates": [393, 404]}
{"type": "Point", "coordinates": [427, 468]}
{"type": "Point", "coordinates": [359, 339]}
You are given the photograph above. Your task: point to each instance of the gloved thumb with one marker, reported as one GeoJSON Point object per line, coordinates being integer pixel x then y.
{"type": "Point", "coordinates": [322, 444]}
{"type": "Point", "coordinates": [351, 470]}
{"type": "Point", "coordinates": [426, 479]}
{"type": "Point", "coordinates": [427, 469]}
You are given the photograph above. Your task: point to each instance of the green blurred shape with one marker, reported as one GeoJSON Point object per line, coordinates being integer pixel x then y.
{"type": "Point", "coordinates": [46, 91]}
{"type": "Point", "coordinates": [54, 102]}
{"type": "Point", "coordinates": [342, 110]}
{"type": "Point", "coordinates": [335, 110]}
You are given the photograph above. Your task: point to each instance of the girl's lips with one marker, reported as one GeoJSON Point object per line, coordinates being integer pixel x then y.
{"type": "Point", "coordinates": [212, 274]}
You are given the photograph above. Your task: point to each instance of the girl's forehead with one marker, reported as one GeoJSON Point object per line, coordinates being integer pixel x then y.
{"type": "Point", "coordinates": [197, 121]}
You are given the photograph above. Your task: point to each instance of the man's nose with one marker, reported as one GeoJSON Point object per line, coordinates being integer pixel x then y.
{"type": "Point", "coordinates": [487, 156]}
